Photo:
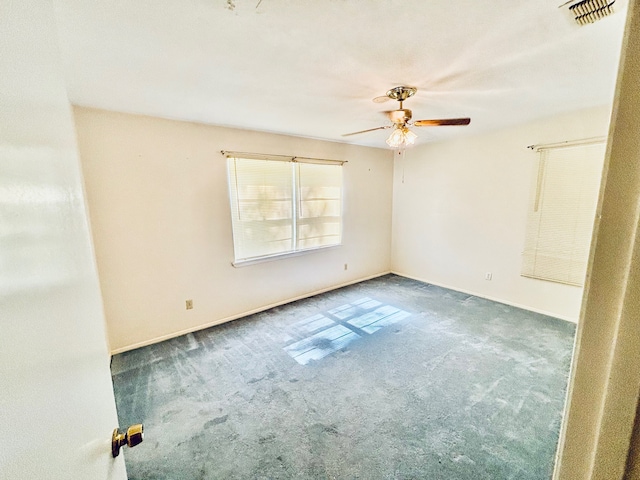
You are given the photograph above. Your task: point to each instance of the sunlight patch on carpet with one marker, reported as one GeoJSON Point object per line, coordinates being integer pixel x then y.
{"type": "Point", "coordinates": [317, 336]}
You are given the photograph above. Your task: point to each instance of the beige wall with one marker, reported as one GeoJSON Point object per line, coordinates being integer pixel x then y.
{"type": "Point", "coordinates": [460, 210]}
{"type": "Point", "coordinates": [157, 194]}
{"type": "Point", "coordinates": [159, 209]}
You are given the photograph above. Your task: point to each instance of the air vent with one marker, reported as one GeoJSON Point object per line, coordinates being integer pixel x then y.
{"type": "Point", "coordinates": [589, 11]}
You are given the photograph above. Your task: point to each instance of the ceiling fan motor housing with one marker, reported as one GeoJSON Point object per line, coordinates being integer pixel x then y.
{"type": "Point", "coordinates": [402, 115]}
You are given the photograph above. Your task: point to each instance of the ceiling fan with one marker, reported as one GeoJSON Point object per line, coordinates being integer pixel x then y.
{"type": "Point", "coordinates": [401, 119]}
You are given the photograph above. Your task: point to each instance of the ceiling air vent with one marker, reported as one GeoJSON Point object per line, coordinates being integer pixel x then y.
{"type": "Point", "coordinates": [589, 11]}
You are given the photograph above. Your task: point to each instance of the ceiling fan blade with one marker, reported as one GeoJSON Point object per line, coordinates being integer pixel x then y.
{"type": "Point", "coordinates": [365, 131]}
{"type": "Point", "coordinates": [380, 99]}
{"type": "Point", "coordinates": [442, 121]}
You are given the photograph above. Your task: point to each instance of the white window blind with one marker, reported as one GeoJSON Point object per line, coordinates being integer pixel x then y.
{"type": "Point", "coordinates": [562, 212]}
{"type": "Point", "coordinates": [281, 206]}
{"type": "Point", "coordinates": [319, 205]}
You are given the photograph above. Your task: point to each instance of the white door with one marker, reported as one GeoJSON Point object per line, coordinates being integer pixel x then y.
{"type": "Point", "coordinates": [57, 409]}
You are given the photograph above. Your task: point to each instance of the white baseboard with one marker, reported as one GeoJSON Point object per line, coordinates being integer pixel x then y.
{"type": "Point", "coordinates": [494, 299]}
{"type": "Point", "coordinates": [220, 321]}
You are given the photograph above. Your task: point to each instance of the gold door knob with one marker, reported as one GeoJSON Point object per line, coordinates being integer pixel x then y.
{"type": "Point", "coordinates": [132, 437]}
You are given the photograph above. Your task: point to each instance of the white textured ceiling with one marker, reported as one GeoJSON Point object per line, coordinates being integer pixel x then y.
{"type": "Point", "coordinates": [312, 68]}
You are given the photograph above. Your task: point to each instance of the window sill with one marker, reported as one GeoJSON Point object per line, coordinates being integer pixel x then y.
{"type": "Point", "coordinates": [270, 258]}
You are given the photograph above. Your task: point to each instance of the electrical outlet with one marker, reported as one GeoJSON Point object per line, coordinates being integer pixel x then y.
{"type": "Point", "coordinates": [189, 304]}
{"type": "Point", "coordinates": [488, 276]}
{"type": "Point", "coordinates": [346, 266]}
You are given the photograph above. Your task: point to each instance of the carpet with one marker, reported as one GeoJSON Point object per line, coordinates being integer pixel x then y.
{"type": "Point", "coordinates": [385, 379]}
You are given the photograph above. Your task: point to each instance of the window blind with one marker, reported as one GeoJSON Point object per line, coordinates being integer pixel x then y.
{"type": "Point", "coordinates": [319, 205]}
{"type": "Point", "coordinates": [261, 206]}
{"type": "Point", "coordinates": [562, 212]}
{"type": "Point", "coordinates": [283, 205]}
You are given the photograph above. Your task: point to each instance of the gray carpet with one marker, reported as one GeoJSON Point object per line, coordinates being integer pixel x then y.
{"type": "Point", "coordinates": [386, 379]}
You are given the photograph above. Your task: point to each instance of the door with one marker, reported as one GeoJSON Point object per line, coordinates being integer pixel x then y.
{"type": "Point", "coordinates": [57, 409]}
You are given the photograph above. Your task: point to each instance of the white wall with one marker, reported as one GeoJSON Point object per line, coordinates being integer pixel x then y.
{"type": "Point", "coordinates": [461, 212]}
{"type": "Point", "coordinates": [159, 208]}
{"type": "Point", "coordinates": [57, 409]}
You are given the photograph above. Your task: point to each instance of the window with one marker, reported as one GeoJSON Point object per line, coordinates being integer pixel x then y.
{"type": "Point", "coordinates": [562, 213]}
{"type": "Point", "coordinates": [282, 205]}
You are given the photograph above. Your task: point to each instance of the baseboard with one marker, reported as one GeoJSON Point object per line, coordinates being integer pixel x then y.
{"type": "Point", "coordinates": [493, 299]}
{"type": "Point", "coordinates": [169, 336]}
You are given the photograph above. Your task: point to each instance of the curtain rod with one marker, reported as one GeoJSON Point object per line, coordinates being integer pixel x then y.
{"type": "Point", "coordinates": [568, 143]}
{"type": "Point", "coordinates": [290, 158]}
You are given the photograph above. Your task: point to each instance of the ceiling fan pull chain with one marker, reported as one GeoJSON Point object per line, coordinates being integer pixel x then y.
{"type": "Point", "coordinates": [401, 154]}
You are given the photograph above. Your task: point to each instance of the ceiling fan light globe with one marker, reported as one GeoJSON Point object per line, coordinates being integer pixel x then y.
{"type": "Point", "coordinates": [401, 136]}
{"type": "Point", "coordinates": [409, 137]}
{"type": "Point", "coordinates": [396, 139]}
